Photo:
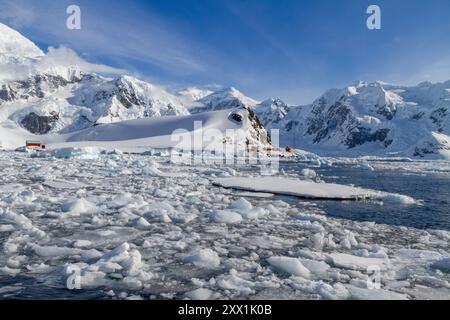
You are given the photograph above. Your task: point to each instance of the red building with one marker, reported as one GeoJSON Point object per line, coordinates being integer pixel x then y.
{"type": "Point", "coordinates": [35, 144]}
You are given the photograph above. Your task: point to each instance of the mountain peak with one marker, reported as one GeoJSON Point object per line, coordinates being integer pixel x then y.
{"type": "Point", "coordinates": [15, 48]}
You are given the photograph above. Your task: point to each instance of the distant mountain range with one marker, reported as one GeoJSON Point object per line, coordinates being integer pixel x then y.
{"type": "Point", "coordinates": [377, 119]}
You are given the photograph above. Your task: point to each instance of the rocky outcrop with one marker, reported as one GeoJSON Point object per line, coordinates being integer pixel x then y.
{"type": "Point", "coordinates": [36, 86]}
{"type": "Point", "coordinates": [363, 135]}
{"type": "Point", "coordinates": [37, 124]}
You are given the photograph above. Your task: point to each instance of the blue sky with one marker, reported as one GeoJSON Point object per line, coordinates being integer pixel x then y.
{"type": "Point", "coordinates": [290, 49]}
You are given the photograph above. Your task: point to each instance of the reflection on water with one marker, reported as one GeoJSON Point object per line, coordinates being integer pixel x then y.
{"type": "Point", "coordinates": [431, 187]}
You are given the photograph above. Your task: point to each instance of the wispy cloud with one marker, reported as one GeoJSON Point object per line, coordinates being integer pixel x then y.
{"type": "Point", "coordinates": [118, 37]}
{"type": "Point", "coordinates": [16, 13]}
{"type": "Point", "coordinates": [56, 60]}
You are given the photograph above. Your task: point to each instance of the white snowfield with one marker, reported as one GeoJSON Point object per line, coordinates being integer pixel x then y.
{"type": "Point", "coordinates": [141, 227]}
{"type": "Point", "coordinates": [15, 48]}
{"type": "Point", "coordinates": [193, 132]}
{"type": "Point", "coordinates": [307, 189]}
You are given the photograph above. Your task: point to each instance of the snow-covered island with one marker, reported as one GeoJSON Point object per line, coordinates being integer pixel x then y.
{"type": "Point", "coordinates": [119, 206]}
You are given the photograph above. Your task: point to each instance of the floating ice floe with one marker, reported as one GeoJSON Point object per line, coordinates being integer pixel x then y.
{"type": "Point", "coordinates": [289, 265]}
{"type": "Point", "coordinates": [308, 189]}
{"type": "Point", "coordinates": [83, 153]}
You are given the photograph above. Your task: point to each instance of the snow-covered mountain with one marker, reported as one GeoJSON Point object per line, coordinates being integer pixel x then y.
{"type": "Point", "coordinates": [48, 100]}
{"type": "Point", "coordinates": [370, 119]}
{"type": "Point", "coordinates": [362, 119]}
{"type": "Point", "coordinates": [15, 48]}
{"type": "Point", "coordinates": [227, 98]}
{"type": "Point", "coordinates": [45, 103]}
{"type": "Point", "coordinates": [62, 98]}
{"type": "Point", "coordinates": [192, 94]}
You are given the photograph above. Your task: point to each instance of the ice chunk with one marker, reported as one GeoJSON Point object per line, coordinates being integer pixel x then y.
{"type": "Point", "coordinates": [79, 206]}
{"type": "Point", "coordinates": [374, 294]}
{"type": "Point", "coordinates": [82, 243]}
{"type": "Point", "coordinates": [199, 294]}
{"type": "Point", "coordinates": [348, 261]}
{"type": "Point", "coordinates": [87, 153]}
{"type": "Point", "coordinates": [122, 263]}
{"type": "Point", "coordinates": [314, 266]}
{"type": "Point", "coordinates": [21, 222]}
{"type": "Point", "coordinates": [399, 199]}
{"type": "Point", "coordinates": [366, 166]}
{"type": "Point", "coordinates": [442, 265]}
{"type": "Point", "coordinates": [241, 205]}
{"type": "Point", "coordinates": [309, 173]}
{"type": "Point", "coordinates": [204, 258]}
{"type": "Point", "coordinates": [289, 265]}
{"type": "Point", "coordinates": [225, 216]}
{"type": "Point", "coordinates": [141, 223]}
{"type": "Point", "coordinates": [54, 251]}
{"type": "Point", "coordinates": [235, 281]}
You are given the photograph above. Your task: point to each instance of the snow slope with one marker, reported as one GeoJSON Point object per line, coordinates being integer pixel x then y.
{"type": "Point", "coordinates": [362, 119]}
{"type": "Point", "coordinates": [15, 48]}
{"type": "Point", "coordinates": [210, 130]}
{"type": "Point", "coordinates": [227, 98]}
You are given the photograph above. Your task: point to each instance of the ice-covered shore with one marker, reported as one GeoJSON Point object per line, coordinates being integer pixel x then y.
{"type": "Point", "coordinates": [129, 226]}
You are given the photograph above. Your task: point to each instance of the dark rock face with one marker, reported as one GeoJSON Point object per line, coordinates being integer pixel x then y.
{"type": "Point", "coordinates": [39, 124]}
{"type": "Point", "coordinates": [418, 116]}
{"type": "Point", "coordinates": [123, 92]}
{"type": "Point", "coordinates": [363, 135]}
{"type": "Point", "coordinates": [387, 111]}
{"type": "Point", "coordinates": [7, 93]}
{"type": "Point", "coordinates": [263, 136]}
{"type": "Point", "coordinates": [126, 95]}
{"type": "Point", "coordinates": [35, 86]}
{"type": "Point", "coordinates": [322, 125]}
{"type": "Point", "coordinates": [429, 147]}
{"type": "Point", "coordinates": [291, 124]}
{"type": "Point", "coordinates": [437, 116]}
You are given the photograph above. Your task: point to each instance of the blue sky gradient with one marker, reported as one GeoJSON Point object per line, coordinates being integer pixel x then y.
{"type": "Point", "coordinates": [290, 49]}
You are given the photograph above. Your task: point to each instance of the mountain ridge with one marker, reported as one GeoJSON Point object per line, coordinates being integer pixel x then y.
{"type": "Point", "coordinates": [363, 118]}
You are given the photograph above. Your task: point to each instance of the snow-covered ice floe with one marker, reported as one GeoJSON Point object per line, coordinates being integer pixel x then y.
{"type": "Point", "coordinates": [309, 189]}
{"type": "Point", "coordinates": [117, 227]}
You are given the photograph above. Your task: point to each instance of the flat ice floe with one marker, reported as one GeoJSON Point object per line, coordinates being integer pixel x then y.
{"type": "Point", "coordinates": [308, 189]}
